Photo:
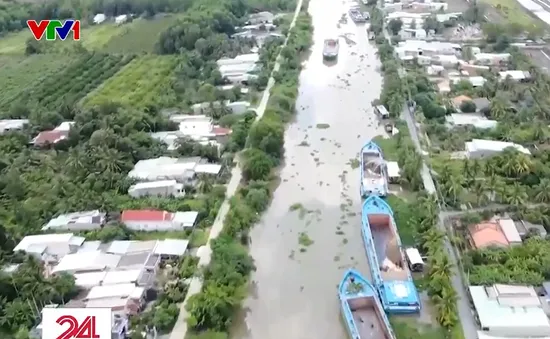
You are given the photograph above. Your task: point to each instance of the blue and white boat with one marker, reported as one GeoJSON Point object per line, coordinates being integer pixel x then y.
{"type": "Point", "coordinates": [361, 309]}
{"type": "Point", "coordinates": [389, 270]}
{"type": "Point", "coordinates": [374, 171]}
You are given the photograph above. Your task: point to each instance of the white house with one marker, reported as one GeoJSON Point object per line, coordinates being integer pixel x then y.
{"type": "Point", "coordinates": [12, 125]}
{"type": "Point", "coordinates": [153, 220]}
{"type": "Point", "coordinates": [198, 126]}
{"type": "Point", "coordinates": [470, 119]}
{"type": "Point", "coordinates": [183, 170]}
{"type": "Point", "coordinates": [50, 246]}
{"type": "Point", "coordinates": [162, 188]}
{"type": "Point", "coordinates": [409, 33]}
{"type": "Point", "coordinates": [78, 221]}
{"type": "Point", "coordinates": [99, 18]}
{"type": "Point", "coordinates": [236, 107]}
{"type": "Point", "coordinates": [478, 148]}
{"type": "Point", "coordinates": [476, 81]}
{"type": "Point", "coordinates": [121, 19]}
{"type": "Point", "coordinates": [239, 69]}
{"type": "Point", "coordinates": [491, 58]}
{"type": "Point", "coordinates": [261, 18]}
{"type": "Point", "coordinates": [507, 311]}
{"type": "Point", "coordinates": [514, 75]}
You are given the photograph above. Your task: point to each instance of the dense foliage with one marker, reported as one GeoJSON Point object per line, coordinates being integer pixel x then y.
{"type": "Point", "coordinates": [527, 264]}
{"type": "Point", "coordinates": [226, 278]}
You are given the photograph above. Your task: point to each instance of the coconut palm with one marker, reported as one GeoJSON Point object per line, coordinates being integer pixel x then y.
{"type": "Point", "coordinates": [542, 191]}
{"type": "Point", "coordinates": [516, 163]}
{"type": "Point", "coordinates": [516, 195]}
{"type": "Point", "coordinates": [499, 108]}
{"type": "Point", "coordinates": [480, 190]}
{"type": "Point", "coordinates": [493, 183]}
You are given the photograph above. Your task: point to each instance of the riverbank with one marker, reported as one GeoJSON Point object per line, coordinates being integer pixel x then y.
{"type": "Point", "coordinates": [398, 86]}
{"type": "Point", "coordinates": [227, 267]}
{"type": "Point", "coordinates": [310, 233]}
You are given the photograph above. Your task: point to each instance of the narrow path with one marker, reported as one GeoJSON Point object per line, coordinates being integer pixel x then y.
{"type": "Point", "coordinates": [180, 328]}
{"type": "Point", "coordinates": [467, 320]}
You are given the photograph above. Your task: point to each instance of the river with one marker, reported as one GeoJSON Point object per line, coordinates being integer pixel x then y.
{"type": "Point", "coordinates": [294, 289]}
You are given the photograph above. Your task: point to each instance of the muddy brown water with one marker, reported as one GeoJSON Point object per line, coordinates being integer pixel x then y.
{"type": "Point", "coordinates": [294, 289]}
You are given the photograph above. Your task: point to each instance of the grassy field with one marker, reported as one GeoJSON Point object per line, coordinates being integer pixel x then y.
{"type": "Point", "coordinates": [144, 81]}
{"type": "Point", "coordinates": [18, 73]}
{"type": "Point", "coordinates": [514, 13]}
{"type": "Point", "coordinates": [138, 36]}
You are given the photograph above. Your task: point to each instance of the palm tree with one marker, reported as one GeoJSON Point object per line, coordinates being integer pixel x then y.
{"type": "Point", "coordinates": [516, 195]}
{"type": "Point", "coordinates": [542, 191]}
{"type": "Point", "coordinates": [453, 188]}
{"type": "Point", "coordinates": [480, 190]}
{"type": "Point", "coordinates": [493, 184]}
{"type": "Point", "coordinates": [516, 163]}
{"type": "Point", "coordinates": [205, 184]}
{"type": "Point", "coordinates": [499, 108]}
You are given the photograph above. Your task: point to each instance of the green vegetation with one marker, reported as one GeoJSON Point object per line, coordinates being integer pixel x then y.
{"type": "Point", "coordinates": [145, 82]}
{"type": "Point", "coordinates": [226, 278]}
{"type": "Point", "coordinates": [114, 88]}
{"type": "Point", "coordinates": [516, 15]}
{"type": "Point", "coordinates": [526, 264]}
{"type": "Point", "coordinates": [20, 73]}
{"type": "Point", "coordinates": [420, 226]}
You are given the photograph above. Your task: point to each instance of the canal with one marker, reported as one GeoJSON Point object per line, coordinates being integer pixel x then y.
{"type": "Point", "coordinates": [311, 232]}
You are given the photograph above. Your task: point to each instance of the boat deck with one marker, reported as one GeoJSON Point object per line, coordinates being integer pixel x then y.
{"type": "Point", "coordinates": [368, 324]}
{"type": "Point", "coordinates": [370, 169]}
{"type": "Point", "coordinates": [388, 253]}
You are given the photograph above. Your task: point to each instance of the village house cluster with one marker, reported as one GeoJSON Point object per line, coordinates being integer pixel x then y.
{"type": "Point", "coordinates": [116, 275]}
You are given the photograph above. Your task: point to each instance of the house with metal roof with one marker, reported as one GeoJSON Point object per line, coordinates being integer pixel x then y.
{"type": "Point", "coordinates": [50, 247]}
{"type": "Point", "coordinates": [479, 148]}
{"type": "Point", "coordinates": [510, 311]}
{"type": "Point", "coordinates": [77, 221]}
{"type": "Point", "coordinates": [182, 170]}
{"type": "Point", "coordinates": [7, 125]}
{"type": "Point", "coordinates": [162, 188]}
{"type": "Point", "coordinates": [153, 220]}
{"type": "Point", "coordinates": [494, 233]}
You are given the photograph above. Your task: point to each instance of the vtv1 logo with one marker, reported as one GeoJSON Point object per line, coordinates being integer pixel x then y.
{"type": "Point", "coordinates": [76, 323]}
{"type": "Point", "coordinates": [54, 29]}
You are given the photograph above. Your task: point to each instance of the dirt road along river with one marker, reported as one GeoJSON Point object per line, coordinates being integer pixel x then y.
{"type": "Point", "coordinates": [294, 294]}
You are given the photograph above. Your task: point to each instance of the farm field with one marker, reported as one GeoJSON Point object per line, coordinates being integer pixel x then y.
{"type": "Point", "coordinates": [73, 82]}
{"type": "Point", "coordinates": [144, 81]}
{"type": "Point", "coordinates": [18, 74]}
{"type": "Point", "coordinates": [138, 36]}
{"type": "Point", "coordinates": [514, 13]}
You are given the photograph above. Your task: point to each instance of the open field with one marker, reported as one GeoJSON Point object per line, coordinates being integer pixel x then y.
{"type": "Point", "coordinates": [19, 73]}
{"type": "Point", "coordinates": [144, 81]}
{"type": "Point", "coordinates": [512, 12]}
{"type": "Point", "coordinates": [138, 36]}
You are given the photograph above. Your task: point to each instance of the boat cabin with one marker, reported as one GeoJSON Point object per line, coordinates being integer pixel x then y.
{"type": "Point", "coordinates": [382, 112]}
{"type": "Point", "coordinates": [416, 264]}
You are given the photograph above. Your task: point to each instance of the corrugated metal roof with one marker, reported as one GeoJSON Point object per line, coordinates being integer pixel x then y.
{"type": "Point", "coordinates": [510, 231]}
{"type": "Point", "coordinates": [110, 291]}
{"type": "Point", "coordinates": [174, 247]}
{"type": "Point", "coordinates": [493, 314]}
{"type": "Point", "coordinates": [94, 260]}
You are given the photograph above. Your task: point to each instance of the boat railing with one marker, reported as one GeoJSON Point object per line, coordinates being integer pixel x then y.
{"type": "Point", "coordinates": [372, 257]}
